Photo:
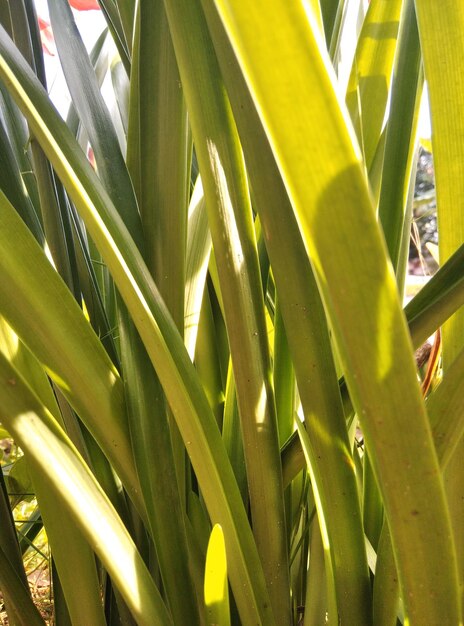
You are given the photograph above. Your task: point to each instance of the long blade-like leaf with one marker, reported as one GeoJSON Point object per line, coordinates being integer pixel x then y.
{"type": "Point", "coordinates": [307, 332]}
{"type": "Point", "coordinates": [79, 581]}
{"type": "Point", "coordinates": [147, 409]}
{"type": "Point", "coordinates": [92, 110]}
{"type": "Point", "coordinates": [357, 285]}
{"type": "Point", "coordinates": [400, 141]}
{"type": "Point", "coordinates": [160, 336]}
{"type": "Point", "coordinates": [371, 73]}
{"type": "Point", "coordinates": [230, 219]}
{"type": "Point", "coordinates": [440, 30]}
{"type": "Point", "coordinates": [23, 610]}
{"type": "Point", "coordinates": [51, 454]}
{"type": "Point", "coordinates": [64, 342]}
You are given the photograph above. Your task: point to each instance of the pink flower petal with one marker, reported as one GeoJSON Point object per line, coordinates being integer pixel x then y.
{"type": "Point", "coordinates": [85, 5]}
{"type": "Point", "coordinates": [46, 37]}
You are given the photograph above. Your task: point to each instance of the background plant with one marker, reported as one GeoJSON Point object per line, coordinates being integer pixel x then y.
{"type": "Point", "coordinates": [202, 323]}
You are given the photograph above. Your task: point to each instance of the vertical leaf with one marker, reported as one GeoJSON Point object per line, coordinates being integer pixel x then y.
{"type": "Point", "coordinates": [23, 611]}
{"type": "Point", "coordinates": [371, 73]}
{"type": "Point", "coordinates": [366, 317]}
{"type": "Point", "coordinates": [442, 46]}
{"type": "Point", "coordinates": [94, 114]}
{"type": "Point", "coordinates": [400, 141]}
{"type": "Point", "coordinates": [161, 338]}
{"type": "Point", "coordinates": [91, 384]}
{"type": "Point", "coordinates": [309, 342]}
{"type": "Point", "coordinates": [65, 476]}
{"type": "Point", "coordinates": [230, 219]}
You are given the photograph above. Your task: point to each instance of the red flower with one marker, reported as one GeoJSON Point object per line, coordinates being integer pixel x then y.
{"type": "Point", "coordinates": [91, 157]}
{"type": "Point", "coordinates": [85, 5]}
{"type": "Point", "coordinates": [46, 36]}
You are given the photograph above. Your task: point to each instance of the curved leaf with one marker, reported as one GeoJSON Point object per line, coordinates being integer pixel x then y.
{"type": "Point", "coordinates": [356, 282]}
{"type": "Point", "coordinates": [160, 336]}
{"type": "Point", "coordinates": [371, 73]}
{"type": "Point", "coordinates": [94, 114]}
{"type": "Point", "coordinates": [52, 456]}
{"type": "Point", "coordinates": [230, 219]}
{"type": "Point", "coordinates": [63, 341]}
{"type": "Point", "coordinates": [308, 335]}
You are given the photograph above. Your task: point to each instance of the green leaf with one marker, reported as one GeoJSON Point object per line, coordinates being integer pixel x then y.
{"type": "Point", "coordinates": [79, 582]}
{"type": "Point", "coordinates": [326, 539]}
{"type": "Point", "coordinates": [437, 300]}
{"type": "Point", "coordinates": [19, 483]}
{"type": "Point", "coordinates": [8, 536]}
{"type": "Point", "coordinates": [232, 435]}
{"type": "Point", "coordinates": [306, 327]}
{"type": "Point", "coordinates": [51, 454]}
{"type": "Point", "coordinates": [21, 609]}
{"type": "Point", "coordinates": [400, 144]}
{"type": "Point", "coordinates": [359, 291]}
{"type": "Point", "coordinates": [126, 10]}
{"type": "Point", "coordinates": [94, 114]}
{"type": "Point", "coordinates": [445, 407]}
{"type": "Point", "coordinates": [371, 73]}
{"type": "Point", "coordinates": [72, 555]}
{"type": "Point", "coordinates": [159, 334]}
{"type": "Point", "coordinates": [197, 259]}
{"type": "Point", "coordinates": [111, 13]}
{"type": "Point", "coordinates": [442, 49]}
{"type": "Point", "coordinates": [164, 146]}
{"type": "Point", "coordinates": [232, 232]}
{"type": "Point", "coordinates": [12, 186]}
{"type": "Point", "coordinates": [152, 446]}
{"type": "Point", "coordinates": [386, 588]}
{"type": "Point", "coordinates": [64, 343]}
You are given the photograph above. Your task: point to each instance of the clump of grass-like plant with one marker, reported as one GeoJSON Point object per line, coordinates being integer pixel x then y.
{"type": "Point", "coordinates": [203, 351]}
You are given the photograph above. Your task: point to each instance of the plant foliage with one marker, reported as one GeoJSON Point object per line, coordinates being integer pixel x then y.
{"type": "Point", "coordinates": [204, 357]}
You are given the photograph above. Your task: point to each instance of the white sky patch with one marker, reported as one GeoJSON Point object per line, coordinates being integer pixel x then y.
{"type": "Point", "coordinates": [425, 129]}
